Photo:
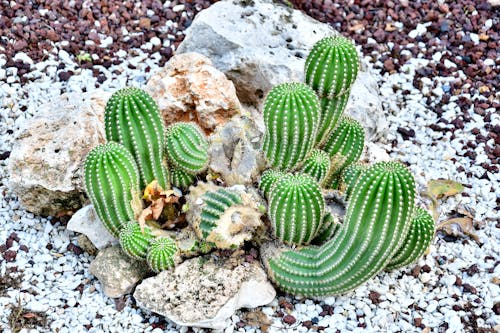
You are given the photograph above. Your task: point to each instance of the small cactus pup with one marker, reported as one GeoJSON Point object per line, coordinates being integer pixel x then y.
{"type": "Point", "coordinates": [349, 176]}
{"type": "Point", "coordinates": [268, 180]}
{"type": "Point", "coordinates": [134, 241]}
{"type": "Point", "coordinates": [331, 112]}
{"type": "Point", "coordinates": [317, 165]}
{"type": "Point", "coordinates": [329, 227]}
{"type": "Point", "coordinates": [132, 118]}
{"type": "Point", "coordinates": [187, 147]}
{"type": "Point", "coordinates": [291, 117]}
{"type": "Point", "coordinates": [296, 208]}
{"type": "Point", "coordinates": [223, 217]}
{"type": "Point", "coordinates": [345, 144]}
{"type": "Point", "coordinates": [417, 241]}
{"type": "Point", "coordinates": [112, 184]}
{"type": "Point", "coordinates": [162, 254]}
{"type": "Point", "coordinates": [181, 179]}
{"type": "Point", "coordinates": [374, 228]}
{"type": "Point", "coordinates": [332, 66]}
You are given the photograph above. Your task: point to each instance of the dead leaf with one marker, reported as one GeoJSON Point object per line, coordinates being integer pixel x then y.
{"type": "Point", "coordinates": [442, 188]}
{"type": "Point", "coordinates": [357, 27]}
{"type": "Point", "coordinates": [258, 319]}
{"type": "Point", "coordinates": [390, 27]}
{"type": "Point", "coordinates": [458, 227]}
{"type": "Point", "coordinates": [30, 315]}
{"type": "Point", "coordinates": [495, 280]}
{"type": "Point", "coordinates": [160, 200]}
{"type": "Point", "coordinates": [434, 206]}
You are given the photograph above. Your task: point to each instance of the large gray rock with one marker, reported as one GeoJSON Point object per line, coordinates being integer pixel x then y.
{"type": "Point", "coordinates": [46, 163]}
{"type": "Point", "coordinates": [117, 272]}
{"type": "Point", "coordinates": [259, 44]}
{"type": "Point", "coordinates": [205, 291]}
{"type": "Point", "coordinates": [86, 221]}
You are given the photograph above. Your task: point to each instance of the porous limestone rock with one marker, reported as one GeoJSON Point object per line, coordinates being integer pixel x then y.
{"type": "Point", "coordinates": [238, 223]}
{"type": "Point", "coordinates": [46, 162]}
{"type": "Point", "coordinates": [236, 151]}
{"type": "Point", "coordinates": [259, 44]}
{"type": "Point", "coordinates": [374, 153]}
{"type": "Point", "coordinates": [86, 221]}
{"type": "Point", "coordinates": [117, 272]}
{"type": "Point", "coordinates": [205, 291]}
{"type": "Point", "coordinates": [190, 88]}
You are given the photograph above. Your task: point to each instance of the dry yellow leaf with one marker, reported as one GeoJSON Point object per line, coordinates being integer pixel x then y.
{"type": "Point", "coordinates": [459, 227]}
{"type": "Point", "coordinates": [442, 188]}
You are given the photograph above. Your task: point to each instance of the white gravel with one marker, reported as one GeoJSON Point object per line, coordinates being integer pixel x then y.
{"type": "Point", "coordinates": [56, 281]}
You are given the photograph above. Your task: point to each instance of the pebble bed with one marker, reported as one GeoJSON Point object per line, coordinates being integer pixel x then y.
{"type": "Point", "coordinates": [443, 124]}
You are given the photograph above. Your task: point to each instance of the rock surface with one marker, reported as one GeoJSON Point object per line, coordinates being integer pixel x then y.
{"type": "Point", "coordinates": [190, 88]}
{"type": "Point", "coordinates": [205, 291]}
{"type": "Point", "coordinates": [259, 44]}
{"type": "Point", "coordinates": [46, 162]}
{"type": "Point", "coordinates": [86, 221]}
{"type": "Point", "coordinates": [117, 272]}
{"type": "Point", "coordinates": [236, 151]}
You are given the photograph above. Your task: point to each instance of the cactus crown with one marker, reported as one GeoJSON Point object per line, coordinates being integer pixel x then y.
{"type": "Point", "coordinates": [317, 165]}
{"type": "Point", "coordinates": [132, 118]}
{"type": "Point", "coordinates": [187, 147]}
{"type": "Point", "coordinates": [296, 208]}
{"type": "Point", "coordinates": [268, 179]}
{"type": "Point", "coordinates": [332, 66]}
{"type": "Point", "coordinates": [291, 115]}
{"type": "Point", "coordinates": [134, 241]}
{"type": "Point", "coordinates": [112, 182]}
{"type": "Point", "coordinates": [161, 254]}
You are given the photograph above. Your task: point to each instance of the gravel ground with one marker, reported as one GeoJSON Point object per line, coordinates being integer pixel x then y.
{"type": "Point", "coordinates": [438, 72]}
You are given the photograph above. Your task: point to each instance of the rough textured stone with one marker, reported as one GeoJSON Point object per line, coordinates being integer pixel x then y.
{"type": "Point", "coordinates": [190, 88]}
{"type": "Point", "coordinates": [46, 163]}
{"type": "Point", "coordinates": [239, 222]}
{"type": "Point", "coordinates": [205, 291]}
{"type": "Point", "coordinates": [374, 153]}
{"type": "Point", "coordinates": [257, 46]}
{"type": "Point", "coordinates": [117, 272]}
{"type": "Point", "coordinates": [263, 44]}
{"type": "Point", "coordinates": [86, 221]}
{"type": "Point", "coordinates": [236, 151]}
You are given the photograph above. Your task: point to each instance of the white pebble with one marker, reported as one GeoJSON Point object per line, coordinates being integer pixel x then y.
{"type": "Point", "coordinates": [178, 8]}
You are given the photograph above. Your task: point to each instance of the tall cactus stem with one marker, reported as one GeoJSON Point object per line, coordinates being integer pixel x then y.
{"type": "Point", "coordinates": [112, 184]}
{"type": "Point", "coordinates": [132, 118]}
{"type": "Point", "coordinates": [331, 112]}
{"type": "Point", "coordinates": [291, 116]}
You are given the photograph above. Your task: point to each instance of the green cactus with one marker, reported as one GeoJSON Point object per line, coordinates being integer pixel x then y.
{"type": "Point", "coordinates": [181, 179]}
{"type": "Point", "coordinates": [331, 111]}
{"type": "Point", "coordinates": [133, 119]}
{"type": "Point", "coordinates": [374, 228]}
{"type": "Point", "coordinates": [291, 116]}
{"type": "Point", "coordinates": [161, 254]}
{"type": "Point", "coordinates": [329, 227]}
{"type": "Point", "coordinates": [317, 165]}
{"type": "Point", "coordinates": [344, 146]}
{"type": "Point", "coordinates": [332, 66]}
{"type": "Point", "coordinates": [296, 208]}
{"type": "Point", "coordinates": [187, 147]}
{"type": "Point", "coordinates": [216, 203]}
{"type": "Point", "coordinates": [417, 241]}
{"type": "Point", "coordinates": [349, 176]}
{"type": "Point", "coordinates": [112, 184]}
{"type": "Point", "coordinates": [268, 179]}
{"type": "Point", "coordinates": [134, 241]}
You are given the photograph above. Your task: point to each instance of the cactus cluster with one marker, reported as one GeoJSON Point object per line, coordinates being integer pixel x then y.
{"type": "Point", "coordinates": [374, 228]}
{"type": "Point", "coordinates": [310, 146]}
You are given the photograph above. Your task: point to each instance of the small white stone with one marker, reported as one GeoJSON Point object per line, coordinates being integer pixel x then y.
{"type": "Point", "coordinates": [474, 37]}
{"type": "Point", "coordinates": [178, 8]}
{"type": "Point", "coordinates": [488, 24]}
{"type": "Point", "coordinates": [21, 56]}
{"type": "Point", "coordinates": [413, 34]}
{"type": "Point", "coordinates": [108, 41]}
{"type": "Point", "coordinates": [449, 64]}
{"type": "Point", "coordinates": [121, 53]}
{"type": "Point", "coordinates": [489, 62]}
{"type": "Point", "coordinates": [155, 41]}
{"type": "Point", "coordinates": [437, 56]}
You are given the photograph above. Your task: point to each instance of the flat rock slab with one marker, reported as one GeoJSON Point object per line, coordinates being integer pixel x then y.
{"type": "Point", "coordinates": [117, 272]}
{"type": "Point", "coordinates": [205, 292]}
